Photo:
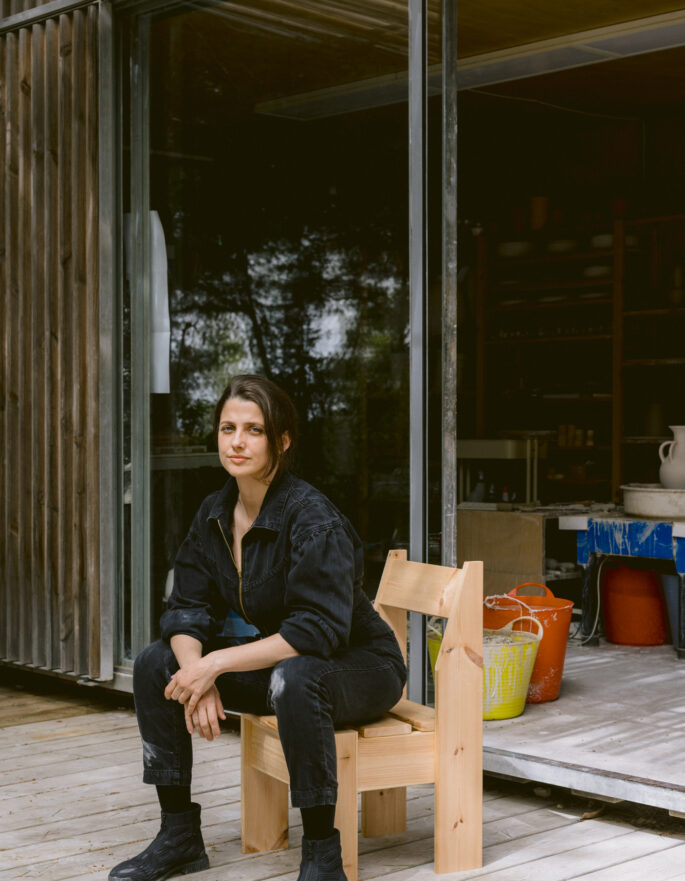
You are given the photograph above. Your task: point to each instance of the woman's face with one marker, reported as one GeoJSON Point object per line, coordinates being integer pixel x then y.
{"type": "Point", "coordinates": [243, 445]}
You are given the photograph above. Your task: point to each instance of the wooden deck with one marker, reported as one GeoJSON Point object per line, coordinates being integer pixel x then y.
{"type": "Point", "coordinates": [616, 730]}
{"type": "Point", "coordinates": [72, 805]}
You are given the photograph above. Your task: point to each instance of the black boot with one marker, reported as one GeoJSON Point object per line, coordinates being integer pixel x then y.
{"type": "Point", "coordinates": [178, 849]}
{"type": "Point", "coordinates": [322, 860]}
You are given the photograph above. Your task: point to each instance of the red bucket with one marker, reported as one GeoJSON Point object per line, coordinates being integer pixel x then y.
{"type": "Point", "coordinates": [633, 607]}
{"type": "Point", "coordinates": [554, 614]}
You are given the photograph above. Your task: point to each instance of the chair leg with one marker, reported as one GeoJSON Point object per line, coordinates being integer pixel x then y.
{"type": "Point", "coordinates": [264, 803]}
{"type": "Point", "coordinates": [384, 812]}
{"type": "Point", "coordinates": [458, 842]}
{"type": "Point", "coordinates": [459, 737]}
{"type": "Point", "coordinates": [346, 819]}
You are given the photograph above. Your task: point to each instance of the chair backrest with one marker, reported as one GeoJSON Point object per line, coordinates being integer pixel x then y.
{"type": "Point", "coordinates": [457, 596]}
{"type": "Point", "coordinates": [441, 591]}
{"type": "Point", "coordinates": [416, 587]}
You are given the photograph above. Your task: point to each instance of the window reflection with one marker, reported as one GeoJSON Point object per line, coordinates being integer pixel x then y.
{"type": "Point", "coordinates": [285, 230]}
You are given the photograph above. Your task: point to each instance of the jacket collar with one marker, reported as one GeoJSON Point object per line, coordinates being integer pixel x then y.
{"type": "Point", "coordinates": [270, 514]}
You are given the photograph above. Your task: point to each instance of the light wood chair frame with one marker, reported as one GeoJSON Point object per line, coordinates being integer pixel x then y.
{"type": "Point", "coordinates": [413, 744]}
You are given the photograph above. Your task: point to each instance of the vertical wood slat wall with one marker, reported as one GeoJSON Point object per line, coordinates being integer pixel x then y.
{"type": "Point", "coordinates": [49, 474]}
{"type": "Point", "coordinates": [12, 7]}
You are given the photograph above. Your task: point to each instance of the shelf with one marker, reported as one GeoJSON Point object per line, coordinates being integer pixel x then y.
{"type": "Point", "coordinates": [577, 399]}
{"type": "Point", "coordinates": [527, 307]}
{"type": "Point", "coordinates": [602, 448]}
{"type": "Point", "coordinates": [550, 339]}
{"type": "Point", "coordinates": [594, 254]}
{"type": "Point", "coordinates": [635, 439]}
{"type": "Point", "coordinates": [673, 312]}
{"type": "Point", "coordinates": [519, 287]}
{"type": "Point", "coordinates": [654, 362]}
{"type": "Point", "coordinates": [648, 221]}
{"type": "Point", "coordinates": [505, 448]}
{"type": "Point", "coordinates": [579, 481]}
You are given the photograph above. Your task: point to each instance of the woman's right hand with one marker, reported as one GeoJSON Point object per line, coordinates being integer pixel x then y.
{"type": "Point", "coordinates": [205, 717]}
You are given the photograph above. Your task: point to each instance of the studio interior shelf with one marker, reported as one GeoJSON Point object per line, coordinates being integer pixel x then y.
{"type": "Point", "coordinates": [573, 337]}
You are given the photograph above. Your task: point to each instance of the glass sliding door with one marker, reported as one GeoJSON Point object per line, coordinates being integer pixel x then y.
{"type": "Point", "coordinates": [268, 232]}
{"type": "Point", "coordinates": [433, 298]}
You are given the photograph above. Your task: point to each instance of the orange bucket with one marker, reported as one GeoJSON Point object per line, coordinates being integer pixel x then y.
{"type": "Point", "coordinates": [554, 614]}
{"type": "Point", "coordinates": [633, 607]}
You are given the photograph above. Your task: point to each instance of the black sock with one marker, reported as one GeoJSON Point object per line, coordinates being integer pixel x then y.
{"type": "Point", "coordinates": [174, 799]}
{"type": "Point", "coordinates": [317, 822]}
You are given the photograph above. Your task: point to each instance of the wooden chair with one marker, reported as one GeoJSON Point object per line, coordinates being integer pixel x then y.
{"type": "Point", "coordinates": [412, 744]}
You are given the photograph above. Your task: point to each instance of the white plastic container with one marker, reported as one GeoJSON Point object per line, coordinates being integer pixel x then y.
{"type": "Point", "coordinates": [652, 500]}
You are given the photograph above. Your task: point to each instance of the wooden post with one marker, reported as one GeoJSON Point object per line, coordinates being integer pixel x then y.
{"type": "Point", "coordinates": [384, 812]}
{"type": "Point", "coordinates": [264, 802]}
{"type": "Point", "coordinates": [346, 820]}
{"type": "Point", "coordinates": [459, 731]}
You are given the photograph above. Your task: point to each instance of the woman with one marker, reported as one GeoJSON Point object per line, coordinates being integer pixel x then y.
{"type": "Point", "coordinates": [274, 550]}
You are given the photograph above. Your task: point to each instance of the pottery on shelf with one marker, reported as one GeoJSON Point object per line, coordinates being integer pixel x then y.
{"type": "Point", "coordinates": [672, 455]}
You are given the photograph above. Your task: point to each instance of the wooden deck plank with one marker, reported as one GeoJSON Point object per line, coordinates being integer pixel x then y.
{"type": "Point", "coordinates": [221, 802]}
{"type": "Point", "coordinates": [83, 750]}
{"type": "Point", "coordinates": [56, 729]}
{"type": "Point", "coordinates": [217, 822]}
{"type": "Point", "coordinates": [664, 865]}
{"type": "Point", "coordinates": [20, 707]}
{"type": "Point", "coordinates": [573, 862]}
{"type": "Point", "coordinates": [139, 800]}
{"type": "Point", "coordinates": [108, 785]}
{"type": "Point", "coordinates": [117, 758]}
{"type": "Point", "coordinates": [517, 859]}
{"type": "Point", "coordinates": [123, 753]}
{"type": "Point", "coordinates": [141, 822]}
{"type": "Point", "coordinates": [35, 814]}
{"type": "Point", "coordinates": [102, 816]}
{"type": "Point", "coordinates": [82, 744]}
{"type": "Point", "coordinates": [13, 701]}
{"type": "Point", "coordinates": [526, 851]}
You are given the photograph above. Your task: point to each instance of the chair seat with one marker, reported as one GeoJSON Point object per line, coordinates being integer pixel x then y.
{"type": "Point", "coordinates": [388, 753]}
{"type": "Point", "coordinates": [419, 716]}
{"type": "Point", "coordinates": [404, 717]}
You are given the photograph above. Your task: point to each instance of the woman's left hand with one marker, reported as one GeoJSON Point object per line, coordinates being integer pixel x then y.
{"type": "Point", "coordinates": [189, 683]}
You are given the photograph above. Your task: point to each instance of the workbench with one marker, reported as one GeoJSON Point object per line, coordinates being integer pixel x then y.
{"type": "Point", "coordinates": [600, 537]}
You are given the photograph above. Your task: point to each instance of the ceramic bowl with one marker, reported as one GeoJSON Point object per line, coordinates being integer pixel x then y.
{"type": "Point", "coordinates": [514, 249]}
{"type": "Point", "coordinates": [562, 246]}
{"type": "Point", "coordinates": [604, 241]}
{"type": "Point", "coordinates": [597, 271]}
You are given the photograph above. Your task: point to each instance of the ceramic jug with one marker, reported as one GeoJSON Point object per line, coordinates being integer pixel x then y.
{"type": "Point", "coordinates": [672, 455]}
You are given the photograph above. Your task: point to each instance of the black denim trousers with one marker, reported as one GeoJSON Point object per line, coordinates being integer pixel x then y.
{"type": "Point", "coordinates": [309, 695]}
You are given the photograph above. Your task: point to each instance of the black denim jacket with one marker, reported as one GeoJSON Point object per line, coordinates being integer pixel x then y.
{"type": "Point", "coordinates": [301, 574]}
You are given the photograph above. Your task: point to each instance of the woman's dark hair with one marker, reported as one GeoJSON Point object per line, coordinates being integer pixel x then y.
{"type": "Point", "coordinates": [280, 416]}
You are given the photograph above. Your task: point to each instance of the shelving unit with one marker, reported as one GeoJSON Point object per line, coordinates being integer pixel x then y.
{"type": "Point", "coordinates": [545, 344]}
{"type": "Point", "coordinates": [652, 357]}
{"type": "Point", "coordinates": [591, 339]}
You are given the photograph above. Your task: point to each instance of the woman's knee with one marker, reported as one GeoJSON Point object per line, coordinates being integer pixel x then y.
{"type": "Point", "coordinates": [296, 681]}
{"type": "Point", "coordinates": [153, 667]}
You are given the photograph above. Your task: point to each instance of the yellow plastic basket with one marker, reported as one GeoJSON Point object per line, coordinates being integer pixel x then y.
{"type": "Point", "coordinates": [508, 659]}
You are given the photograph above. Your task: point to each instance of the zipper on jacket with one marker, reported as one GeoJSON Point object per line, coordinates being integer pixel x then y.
{"type": "Point", "coordinates": [240, 575]}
